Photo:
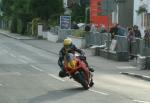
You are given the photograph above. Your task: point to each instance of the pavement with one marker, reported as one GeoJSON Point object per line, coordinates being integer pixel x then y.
{"type": "Point", "coordinates": [15, 36]}
{"type": "Point", "coordinates": [54, 48]}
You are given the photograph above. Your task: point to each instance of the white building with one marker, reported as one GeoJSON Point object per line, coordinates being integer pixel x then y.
{"type": "Point", "coordinates": [132, 12]}
{"type": "Point", "coordinates": [142, 14]}
{"type": "Point", "coordinates": [65, 3]}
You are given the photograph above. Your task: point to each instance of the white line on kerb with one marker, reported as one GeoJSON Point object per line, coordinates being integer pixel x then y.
{"type": "Point", "coordinates": [52, 75]}
{"type": "Point", "coordinates": [36, 68]}
{"type": "Point", "coordinates": [94, 91]}
{"type": "Point", "coordinates": [139, 101]}
{"type": "Point", "coordinates": [125, 67]}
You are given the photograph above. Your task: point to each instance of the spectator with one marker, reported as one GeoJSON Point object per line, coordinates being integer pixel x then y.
{"type": "Point", "coordinates": [137, 31]}
{"type": "Point", "coordinates": [93, 28]}
{"type": "Point", "coordinates": [131, 39]}
{"type": "Point", "coordinates": [147, 37]}
{"type": "Point", "coordinates": [87, 28]}
{"type": "Point", "coordinates": [113, 31]}
{"type": "Point", "coordinates": [102, 29]}
{"type": "Point", "coordinates": [121, 30]}
{"type": "Point", "coordinates": [74, 25]}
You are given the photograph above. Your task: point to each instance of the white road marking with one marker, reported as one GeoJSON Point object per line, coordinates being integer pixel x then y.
{"type": "Point", "coordinates": [125, 67]}
{"type": "Point", "coordinates": [10, 73]}
{"type": "Point", "coordinates": [139, 101]}
{"type": "Point", "coordinates": [23, 61]}
{"type": "Point", "coordinates": [98, 92]}
{"type": "Point", "coordinates": [41, 54]}
{"type": "Point", "coordinates": [36, 68]}
{"type": "Point", "coordinates": [77, 85]}
{"type": "Point", "coordinates": [95, 91]}
{"type": "Point", "coordinates": [52, 75]}
{"type": "Point", "coordinates": [13, 55]}
{"type": "Point", "coordinates": [25, 58]}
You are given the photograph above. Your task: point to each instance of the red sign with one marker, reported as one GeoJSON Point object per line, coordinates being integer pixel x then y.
{"type": "Point", "coordinates": [95, 14]}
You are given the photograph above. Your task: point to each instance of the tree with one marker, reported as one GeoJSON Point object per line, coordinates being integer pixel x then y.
{"type": "Point", "coordinates": [6, 7]}
{"type": "Point", "coordinates": [17, 11]}
{"type": "Point", "coordinates": [78, 13]}
{"type": "Point", "coordinates": [45, 9]}
{"type": "Point", "coordinates": [36, 8]}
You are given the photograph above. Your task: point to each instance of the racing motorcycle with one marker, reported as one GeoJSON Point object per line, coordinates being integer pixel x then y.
{"type": "Point", "coordinates": [78, 70]}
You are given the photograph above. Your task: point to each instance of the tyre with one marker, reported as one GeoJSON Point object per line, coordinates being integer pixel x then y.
{"type": "Point", "coordinates": [80, 77]}
{"type": "Point", "coordinates": [84, 82]}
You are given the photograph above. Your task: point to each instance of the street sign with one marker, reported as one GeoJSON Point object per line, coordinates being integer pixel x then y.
{"type": "Point", "coordinates": [65, 22]}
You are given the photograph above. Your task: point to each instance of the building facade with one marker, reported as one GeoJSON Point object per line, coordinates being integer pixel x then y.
{"type": "Point", "coordinates": [141, 15]}
{"type": "Point", "coordinates": [123, 12]}
{"type": "Point", "coordinates": [107, 12]}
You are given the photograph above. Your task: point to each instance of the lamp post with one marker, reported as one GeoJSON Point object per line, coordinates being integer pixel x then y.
{"type": "Point", "coordinates": [108, 38]}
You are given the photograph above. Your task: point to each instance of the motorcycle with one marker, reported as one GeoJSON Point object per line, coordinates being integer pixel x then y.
{"type": "Point", "coordinates": [78, 70]}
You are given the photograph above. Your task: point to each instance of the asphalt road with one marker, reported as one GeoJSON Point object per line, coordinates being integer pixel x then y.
{"type": "Point", "coordinates": [30, 75]}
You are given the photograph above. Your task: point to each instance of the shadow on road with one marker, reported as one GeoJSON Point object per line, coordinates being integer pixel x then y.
{"type": "Point", "coordinates": [55, 95]}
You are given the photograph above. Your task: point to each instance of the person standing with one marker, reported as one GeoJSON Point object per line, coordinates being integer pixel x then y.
{"type": "Point", "coordinates": [137, 31]}
{"type": "Point", "coordinates": [147, 37]}
{"type": "Point", "coordinates": [131, 40]}
{"type": "Point", "coordinates": [113, 31]}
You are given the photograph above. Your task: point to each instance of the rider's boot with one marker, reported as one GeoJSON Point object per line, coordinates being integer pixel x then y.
{"type": "Point", "coordinates": [91, 83]}
{"type": "Point", "coordinates": [90, 68]}
{"type": "Point", "coordinates": [63, 74]}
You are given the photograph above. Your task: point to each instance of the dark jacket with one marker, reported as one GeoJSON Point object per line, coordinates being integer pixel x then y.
{"type": "Point", "coordinates": [137, 33]}
{"type": "Point", "coordinates": [113, 31]}
{"type": "Point", "coordinates": [63, 52]}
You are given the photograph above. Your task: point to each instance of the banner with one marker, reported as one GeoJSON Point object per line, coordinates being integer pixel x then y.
{"type": "Point", "coordinates": [65, 22]}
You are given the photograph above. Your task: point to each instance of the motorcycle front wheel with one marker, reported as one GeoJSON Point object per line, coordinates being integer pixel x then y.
{"type": "Point", "coordinates": [80, 77]}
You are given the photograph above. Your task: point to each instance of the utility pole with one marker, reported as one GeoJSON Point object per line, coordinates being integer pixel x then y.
{"type": "Point", "coordinates": [108, 39]}
{"type": "Point", "coordinates": [86, 11]}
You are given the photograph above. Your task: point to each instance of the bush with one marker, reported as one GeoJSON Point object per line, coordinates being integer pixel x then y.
{"type": "Point", "coordinates": [78, 33]}
{"type": "Point", "coordinates": [29, 28]}
{"type": "Point", "coordinates": [35, 22]}
{"type": "Point", "coordinates": [13, 26]}
{"type": "Point", "coordinates": [19, 26]}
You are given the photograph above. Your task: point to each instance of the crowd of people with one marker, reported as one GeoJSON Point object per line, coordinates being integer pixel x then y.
{"type": "Point", "coordinates": [132, 34]}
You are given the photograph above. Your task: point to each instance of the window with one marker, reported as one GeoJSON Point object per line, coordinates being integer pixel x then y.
{"type": "Point", "coordinates": [145, 17]}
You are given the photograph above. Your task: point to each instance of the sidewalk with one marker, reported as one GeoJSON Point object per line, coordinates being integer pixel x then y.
{"type": "Point", "coordinates": [124, 68]}
{"type": "Point", "coordinates": [15, 36]}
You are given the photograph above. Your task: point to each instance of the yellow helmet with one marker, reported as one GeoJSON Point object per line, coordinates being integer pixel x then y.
{"type": "Point", "coordinates": [67, 42]}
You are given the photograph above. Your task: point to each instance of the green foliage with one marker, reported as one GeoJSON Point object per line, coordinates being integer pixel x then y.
{"type": "Point", "coordinates": [78, 33]}
{"type": "Point", "coordinates": [141, 9]}
{"type": "Point", "coordinates": [13, 26]}
{"type": "Point", "coordinates": [29, 28]}
{"type": "Point", "coordinates": [35, 22]}
{"type": "Point", "coordinates": [78, 13]}
{"type": "Point", "coordinates": [6, 7]}
{"type": "Point", "coordinates": [20, 12]}
{"type": "Point", "coordinates": [19, 26]}
{"type": "Point", "coordinates": [45, 8]}
{"type": "Point", "coordinates": [17, 11]}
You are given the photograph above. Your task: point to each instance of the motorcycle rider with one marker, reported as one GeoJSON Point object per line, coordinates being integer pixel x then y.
{"type": "Point", "coordinates": [69, 47]}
